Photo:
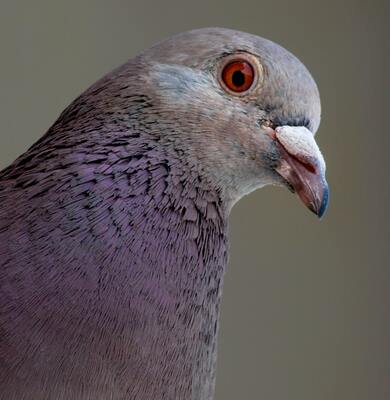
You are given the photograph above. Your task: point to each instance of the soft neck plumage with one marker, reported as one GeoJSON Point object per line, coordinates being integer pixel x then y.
{"type": "Point", "coordinates": [141, 256]}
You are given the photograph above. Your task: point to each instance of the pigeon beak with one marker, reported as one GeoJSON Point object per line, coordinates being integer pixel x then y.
{"type": "Point", "coordinates": [302, 166]}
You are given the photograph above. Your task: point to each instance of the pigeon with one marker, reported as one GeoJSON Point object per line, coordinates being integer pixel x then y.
{"type": "Point", "coordinates": [113, 226]}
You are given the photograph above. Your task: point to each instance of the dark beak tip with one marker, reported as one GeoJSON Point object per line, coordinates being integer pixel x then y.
{"type": "Point", "coordinates": [324, 203]}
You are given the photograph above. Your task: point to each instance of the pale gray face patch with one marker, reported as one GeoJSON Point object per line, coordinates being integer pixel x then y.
{"type": "Point", "coordinates": [180, 80]}
{"type": "Point", "coordinates": [183, 85]}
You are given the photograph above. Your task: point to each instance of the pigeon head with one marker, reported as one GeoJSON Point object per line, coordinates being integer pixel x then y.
{"type": "Point", "coordinates": [241, 109]}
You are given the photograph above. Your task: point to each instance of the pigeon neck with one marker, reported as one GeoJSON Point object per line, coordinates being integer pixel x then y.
{"type": "Point", "coordinates": [148, 240]}
{"type": "Point", "coordinates": [160, 247]}
{"type": "Point", "coordinates": [179, 233]}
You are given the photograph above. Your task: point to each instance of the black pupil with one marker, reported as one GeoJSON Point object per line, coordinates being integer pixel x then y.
{"type": "Point", "coordinates": [238, 78]}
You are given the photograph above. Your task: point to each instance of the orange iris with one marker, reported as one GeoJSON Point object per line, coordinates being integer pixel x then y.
{"type": "Point", "coordinates": [238, 76]}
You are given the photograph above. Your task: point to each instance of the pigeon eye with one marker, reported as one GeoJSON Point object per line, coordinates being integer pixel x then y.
{"type": "Point", "coordinates": [238, 76]}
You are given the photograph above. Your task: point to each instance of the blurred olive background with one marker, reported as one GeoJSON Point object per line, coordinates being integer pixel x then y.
{"type": "Point", "coordinates": [306, 303]}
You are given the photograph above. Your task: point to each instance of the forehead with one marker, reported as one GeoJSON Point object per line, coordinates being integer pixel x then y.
{"type": "Point", "coordinates": [192, 48]}
{"type": "Point", "coordinates": [289, 92]}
